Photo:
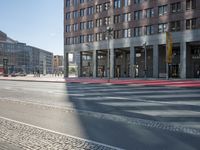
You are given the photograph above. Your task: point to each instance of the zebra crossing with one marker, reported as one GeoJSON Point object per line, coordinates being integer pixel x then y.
{"type": "Point", "coordinates": [166, 104]}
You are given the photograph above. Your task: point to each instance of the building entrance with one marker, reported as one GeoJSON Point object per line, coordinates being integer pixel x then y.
{"type": "Point", "coordinates": [102, 59]}
{"type": "Point", "coordinates": [140, 62]}
{"type": "Point", "coordinates": [86, 64]}
{"type": "Point", "coordinates": [174, 67]}
{"type": "Point", "coordinates": [193, 62]}
{"type": "Point", "coordinates": [122, 63]}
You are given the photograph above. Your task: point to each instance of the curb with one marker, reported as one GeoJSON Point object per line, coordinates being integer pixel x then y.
{"type": "Point", "coordinates": [104, 82]}
{"type": "Point", "coordinates": [33, 81]}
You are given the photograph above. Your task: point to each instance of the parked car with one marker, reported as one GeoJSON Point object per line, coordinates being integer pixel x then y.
{"type": "Point", "coordinates": [21, 74]}
{"type": "Point", "coordinates": [13, 74]}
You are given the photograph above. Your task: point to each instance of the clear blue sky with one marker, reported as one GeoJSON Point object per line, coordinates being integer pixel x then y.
{"type": "Point", "coordinates": [37, 23]}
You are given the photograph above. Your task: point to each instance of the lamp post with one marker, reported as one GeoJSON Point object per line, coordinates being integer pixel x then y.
{"type": "Point", "coordinates": [109, 35]}
{"type": "Point", "coordinates": [145, 60]}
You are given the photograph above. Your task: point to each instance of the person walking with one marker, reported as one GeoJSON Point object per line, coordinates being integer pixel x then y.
{"type": "Point", "coordinates": [118, 72]}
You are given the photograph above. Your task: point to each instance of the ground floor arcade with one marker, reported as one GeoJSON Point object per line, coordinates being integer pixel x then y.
{"type": "Point", "coordinates": [133, 62]}
{"type": "Point", "coordinates": [140, 62]}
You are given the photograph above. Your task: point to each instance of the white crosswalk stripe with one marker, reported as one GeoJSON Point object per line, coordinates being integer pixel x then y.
{"type": "Point", "coordinates": [166, 103]}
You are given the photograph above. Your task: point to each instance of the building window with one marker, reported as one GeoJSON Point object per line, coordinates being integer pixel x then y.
{"type": "Point", "coordinates": [117, 3]}
{"type": "Point", "coordinates": [127, 17]}
{"type": "Point", "coordinates": [107, 20]}
{"type": "Point", "coordinates": [90, 38]}
{"type": "Point", "coordinates": [162, 27]}
{"type": "Point", "coordinates": [82, 38]}
{"type": "Point", "coordinates": [138, 1]}
{"type": "Point", "coordinates": [149, 13]}
{"type": "Point", "coordinates": [116, 34]}
{"type": "Point", "coordinates": [137, 31]}
{"type": "Point", "coordinates": [162, 10]}
{"type": "Point", "coordinates": [82, 25]}
{"type": "Point", "coordinates": [106, 5]}
{"type": "Point", "coordinates": [98, 22]}
{"type": "Point", "coordinates": [175, 26]}
{"type": "Point", "coordinates": [67, 41]}
{"type": "Point", "coordinates": [99, 8]}
{"type": "Point", "coordinates": [75, 14]}
{"type": "Point", "coordinates": [82, 12]}
{"type": "Point", "coordinates": [176, 7]}
{"type": "Point", "coordinates": [67, 3]}
{"type": "Point", "coordinates": [76, 40]}
{"type": "Point", "coordinates": [116, 18]}
{"type": "Point", "coordinates": [68, 15]}
{"type": "Point", "coordinates": [68, 28]}
{"type": "Point", "coordinates": [191, 23]}
{"type": "Point", "coordinates": [75, 27]}
{"type": "Point", "coordinates": [90, 24]}
{"type": "Point", "coordinates": [190, 4]}
{"type": "Point", "coordinates": [149, 30]}
{"type": "Point", "coordinates": [99, 36]}
{"type": "Point", "coordinates": [82, 1]}
{"type": "Point", "coordinates": [75, 2]}
{"type": "Point", "coordinates": [138, 15]}
{"type": "Point", "coordinates": [90, 10]}
{"type": "Point", "coordinates": [126, 33]}
{"type": "Point", "coordinates": [127, 3]}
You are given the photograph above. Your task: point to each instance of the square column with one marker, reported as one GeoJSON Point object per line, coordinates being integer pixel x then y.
{"type": "Point", "coordinates": [132, 62]}
{"type": "Point", "coordinates": [155, 61]}
{"type": "Point", "coordinates": [78, 62]}
{"type": "Point", "coordinates": [183, 60]}
{"type": "Point", "coordinates": [112, 61]}
{"type": "Point", "coordinates": [94, 59]}
{"type": "Point", "coordinates": [66, 65]}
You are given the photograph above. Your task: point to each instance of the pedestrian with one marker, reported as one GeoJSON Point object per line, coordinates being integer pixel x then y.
{"type": "Point", "coordinates": [198, 73]}
{"type": "Point", "coordinates": [118, 72]}
{"type": "Point", "coordinates": [102, 72]}
{"type": "Point", "coordinates": [124, 73]}
{"type": "Point", "coordinates": [38, 72]}
{"type": "Point", "coordinates": [55, 73]}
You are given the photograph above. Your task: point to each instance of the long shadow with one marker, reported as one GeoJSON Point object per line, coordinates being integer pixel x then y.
{"type": "Point", "coordinates": [121, 134]}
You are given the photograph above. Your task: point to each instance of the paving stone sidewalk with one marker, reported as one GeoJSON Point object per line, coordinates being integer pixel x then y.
{"type": "Point", "coordinates": [27, 137]}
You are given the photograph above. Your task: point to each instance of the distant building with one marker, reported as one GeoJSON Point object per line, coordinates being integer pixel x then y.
{"type": "Point", "coordinates": [58, 63]}
{"type": "Point", "coordinates": [24, 58]}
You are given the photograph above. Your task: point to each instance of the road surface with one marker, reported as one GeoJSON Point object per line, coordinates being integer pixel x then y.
{"type": "Point", "coordinates": [41, 115]}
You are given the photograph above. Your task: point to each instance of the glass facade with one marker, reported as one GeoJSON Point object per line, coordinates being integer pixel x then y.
{"type": "Point", "coordinates": [26, 59]}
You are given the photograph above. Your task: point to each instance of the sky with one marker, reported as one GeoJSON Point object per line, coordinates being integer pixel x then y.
{"type": "Point", "coordinates": [38, 23]}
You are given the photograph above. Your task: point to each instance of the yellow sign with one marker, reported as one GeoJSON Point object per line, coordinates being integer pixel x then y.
{"type": "Point", "coordinates": [169, 45]}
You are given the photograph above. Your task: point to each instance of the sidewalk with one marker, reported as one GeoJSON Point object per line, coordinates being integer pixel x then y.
{"type": "Point", "coordinates": [123, 81]}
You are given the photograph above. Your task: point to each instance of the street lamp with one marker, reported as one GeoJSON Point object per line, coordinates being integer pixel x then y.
{"type": "Point", "coordinates": [109, 35]}
{"type": "Point", "coordinates": [145, 60]}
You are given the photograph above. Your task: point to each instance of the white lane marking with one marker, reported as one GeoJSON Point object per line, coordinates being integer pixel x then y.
{"type": "Point", "coordinates": [34, 126]}
{"type": "Point", "coordinates": [170, 96]}
{"type": "Point", "coordinates": [167, 113]}
{"type": "Point", "coordinates": [161, 91]}
{"type": "Point", "coordinates": [115, 97]}
{"type": "Point", "coordinates": [131, 104]}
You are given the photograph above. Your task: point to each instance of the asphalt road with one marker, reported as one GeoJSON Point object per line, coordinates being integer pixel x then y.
{"type": "Point", "coordinates": [98, 116]}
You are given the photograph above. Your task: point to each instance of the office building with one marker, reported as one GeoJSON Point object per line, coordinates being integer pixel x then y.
{"type": "Point", "coordinates": [136, 44]}
{"type": "Point", "coordinates": [24, 58]}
